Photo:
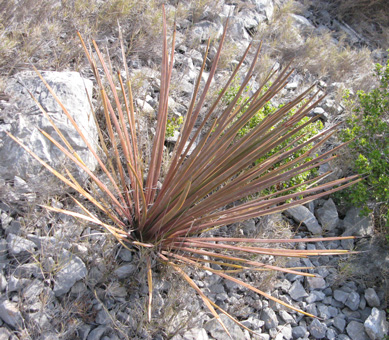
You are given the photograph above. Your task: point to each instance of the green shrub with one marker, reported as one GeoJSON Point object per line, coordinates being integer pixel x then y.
{"type": "Point", "coordinates": [368, 131]}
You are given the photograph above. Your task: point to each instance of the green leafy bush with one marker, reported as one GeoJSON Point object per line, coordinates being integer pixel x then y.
{"type": "Point", "coordinates": [368, 132]}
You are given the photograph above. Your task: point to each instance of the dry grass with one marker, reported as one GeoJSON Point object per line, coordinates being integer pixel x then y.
{"type": "Point", "coordinates": [314, 52]}
{"type": "Point", "coordinates": [43, 33]}
{"type": "Point", "coordinates": [369, 18]}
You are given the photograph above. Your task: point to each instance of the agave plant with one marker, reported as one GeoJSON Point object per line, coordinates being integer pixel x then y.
{"type": "Point", "coordinates": [202, 179]}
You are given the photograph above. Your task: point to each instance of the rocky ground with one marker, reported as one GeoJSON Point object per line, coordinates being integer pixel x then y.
{"type": "Point", "coordinates": [61, 279]}
{"type": "Point", "coordinates": [59, 286]}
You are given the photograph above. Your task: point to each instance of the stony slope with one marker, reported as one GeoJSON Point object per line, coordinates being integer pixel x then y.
{"type": "Point", "coordinates": [62, 280]}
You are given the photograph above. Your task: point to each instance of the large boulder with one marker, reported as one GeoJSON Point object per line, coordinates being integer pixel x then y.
{"type": "Point", "coordinates": [23, 119]}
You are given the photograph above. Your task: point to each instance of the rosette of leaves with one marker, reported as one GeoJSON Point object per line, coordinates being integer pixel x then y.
{"type": "Point", "coordinates": [202, 179]}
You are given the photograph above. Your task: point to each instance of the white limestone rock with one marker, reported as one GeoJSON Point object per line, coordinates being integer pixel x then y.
{"type": "Point", "coordinates": [376, 325]}
{"type": "Point", "coordinates": [24, 120]}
